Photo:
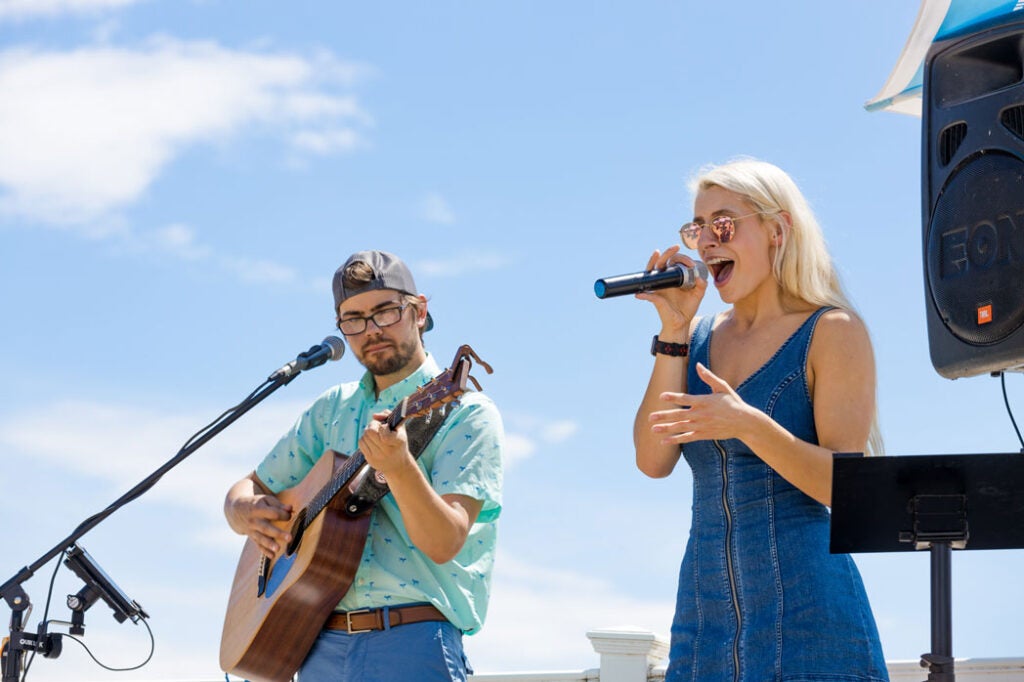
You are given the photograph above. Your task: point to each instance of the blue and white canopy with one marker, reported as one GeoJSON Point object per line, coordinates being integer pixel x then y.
{"type": "Point", "coordinates": [936, 20]}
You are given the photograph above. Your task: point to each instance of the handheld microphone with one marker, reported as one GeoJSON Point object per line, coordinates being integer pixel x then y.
{"type": "Point", "coordinates": [677, 275]}
{"type": "Point", "coordinates": [331, 349]}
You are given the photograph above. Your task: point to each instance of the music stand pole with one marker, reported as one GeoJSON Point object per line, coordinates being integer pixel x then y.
{"type": "Point", "coordinates": [939, 524]}
{"type": "Point", "coordinates": [903, 503]}
{"type": "Point", "coordinates": [940, 661]}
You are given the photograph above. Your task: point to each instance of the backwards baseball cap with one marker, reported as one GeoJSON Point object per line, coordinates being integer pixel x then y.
{"type": "Point", "coordinates": [389, 272]}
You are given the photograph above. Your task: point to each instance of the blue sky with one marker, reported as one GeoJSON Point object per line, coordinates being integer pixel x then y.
{"type": "Point", "coordinates": [179, 181]}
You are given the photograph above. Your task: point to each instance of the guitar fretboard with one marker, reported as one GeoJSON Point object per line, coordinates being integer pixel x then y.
{"type": "Point", "coordinates": [352, 466]}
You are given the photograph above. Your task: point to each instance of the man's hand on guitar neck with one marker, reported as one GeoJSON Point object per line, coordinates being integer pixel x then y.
{"type": "Point", "coordinates": [251, 508]}
{"type": "Point", "coordinates": [385, 450]}
{"type": "Point", "coordinates": [437, 524]}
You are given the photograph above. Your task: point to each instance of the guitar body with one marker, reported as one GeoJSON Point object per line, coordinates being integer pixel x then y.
{"type": "Point", "coordinates": [267, 636]}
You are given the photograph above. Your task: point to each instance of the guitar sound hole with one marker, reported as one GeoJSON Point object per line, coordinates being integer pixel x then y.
{"type": "Point", "coordinates": [297, 528]}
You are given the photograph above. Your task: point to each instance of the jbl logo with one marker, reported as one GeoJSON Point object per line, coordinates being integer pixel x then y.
{"type": "Point", "coordinates": [982, 245]}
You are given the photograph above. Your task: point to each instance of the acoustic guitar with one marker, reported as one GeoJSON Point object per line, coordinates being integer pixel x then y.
{"type": "Point", "coordinates": [278, 605]}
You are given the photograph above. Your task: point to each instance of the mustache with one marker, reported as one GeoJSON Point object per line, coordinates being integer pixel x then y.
{"type": "Point", "coordinates": [377, 342]}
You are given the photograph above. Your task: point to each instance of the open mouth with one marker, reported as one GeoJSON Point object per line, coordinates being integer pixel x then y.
{"type": "Point", "coordinates": [720, 269]}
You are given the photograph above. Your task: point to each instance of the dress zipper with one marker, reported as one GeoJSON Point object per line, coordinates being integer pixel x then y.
{"type": "Point", "coordinates": [728, 562]}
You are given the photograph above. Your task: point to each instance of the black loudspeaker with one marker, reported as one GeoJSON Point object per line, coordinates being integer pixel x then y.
{"type": "Point", "coordinates": [973, 192]}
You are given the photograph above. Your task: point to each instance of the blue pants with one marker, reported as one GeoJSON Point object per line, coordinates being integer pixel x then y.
{"type": "Point", "coordinates": [424, 652]}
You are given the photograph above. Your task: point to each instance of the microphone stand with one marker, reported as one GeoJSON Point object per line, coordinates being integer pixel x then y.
{"type": "Point", "coordinates": [12, 592]}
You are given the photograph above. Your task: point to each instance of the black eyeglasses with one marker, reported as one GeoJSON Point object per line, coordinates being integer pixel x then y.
{"type": "Point", "coordinates": [350, 326]}
{"type": "Point", "coordinates": [723, 227]}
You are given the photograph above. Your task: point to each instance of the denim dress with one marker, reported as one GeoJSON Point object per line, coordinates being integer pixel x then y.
{"type": "Point", "coordinates": [760, 597]}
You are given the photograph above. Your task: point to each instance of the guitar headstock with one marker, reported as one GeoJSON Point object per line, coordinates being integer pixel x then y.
{"type": "Point", "coordinates": [444, 388]}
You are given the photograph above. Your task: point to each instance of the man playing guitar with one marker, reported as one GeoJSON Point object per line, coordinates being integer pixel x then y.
{"type": "Point", "coordinates": [424, 571]}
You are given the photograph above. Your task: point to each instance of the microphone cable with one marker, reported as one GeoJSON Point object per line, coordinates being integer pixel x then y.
{"type": "Point", "coordinates": [62, 635]}
{"type": "Point", "coordinates": [149, 657]}
{"type": "Point", "coordinates": [46, 611]}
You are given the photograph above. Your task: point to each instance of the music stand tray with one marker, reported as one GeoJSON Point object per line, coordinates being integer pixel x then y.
{"type": "Point", "coordinates": [934, 502]}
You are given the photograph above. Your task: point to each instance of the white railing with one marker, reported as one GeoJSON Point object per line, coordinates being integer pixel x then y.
{"type": "Point", "coordinates": [638, 656]}
{"type": "Point", "coordinates": [966, 670]}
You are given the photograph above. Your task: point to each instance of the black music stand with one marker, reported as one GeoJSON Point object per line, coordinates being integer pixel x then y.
{"type": "Point", "coordinates": [934, 502]}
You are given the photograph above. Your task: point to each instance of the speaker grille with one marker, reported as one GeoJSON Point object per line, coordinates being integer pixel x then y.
{"type": "Point", "coordinates": [975, 249]}
{"type": "Point", "coordinates": [950, 140]}
{"type": "Point", "coordinates": [1013, 120]}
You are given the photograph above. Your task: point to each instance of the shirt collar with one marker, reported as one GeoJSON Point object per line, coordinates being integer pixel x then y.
{"type": "Point", "coordinates": [394, 393]}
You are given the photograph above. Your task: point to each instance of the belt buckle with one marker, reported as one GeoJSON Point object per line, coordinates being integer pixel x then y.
{"type": "Point", "coordinates": [348, 621]}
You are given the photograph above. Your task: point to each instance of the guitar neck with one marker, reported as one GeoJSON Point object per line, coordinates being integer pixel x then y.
{"type": "Point", "coordinates": [351, 467]}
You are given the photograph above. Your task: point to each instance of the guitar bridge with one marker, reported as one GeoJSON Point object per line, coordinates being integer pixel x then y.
{"type": "Point", "coordinates": [261, 576]}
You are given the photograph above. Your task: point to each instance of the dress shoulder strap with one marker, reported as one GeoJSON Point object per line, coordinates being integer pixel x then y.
{"type": "Point", "coordinates": [806, 330]}
{"type": "Point", "coordinates": [700, 351]}
{"type": "Point", "coordinates": [699, 341]}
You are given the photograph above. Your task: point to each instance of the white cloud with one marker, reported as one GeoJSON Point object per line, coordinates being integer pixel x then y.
{"type": "Point", "coordinates": [519, 446]}
{"type": "Point", "coordinates": [21, 9]}
{"type": "Point", "coordinates": [86, 132]}
{"type": "Point", "coordinates": [313, 104]}
{"type": "Point", "coordinates": [324, 142]}
{"type": "Point", "coordinates": [179, 240]}
{"type": "Point", "coordinates": [122, 444]}
{"type": "Point", "coordinates": [572, 603]}
{"type": "Point", "coordinates": [435, 209]}
{"type": "Point", "coordinates": [182, 242]}
{"type": "Point", "coordinates": [463, 263]}
{"type": "Point", "coordinates": [558, 431]}
{"type": "Point", "coordinates": [147, 438]}
{"type": "Point", "coordinates": [256, 270]}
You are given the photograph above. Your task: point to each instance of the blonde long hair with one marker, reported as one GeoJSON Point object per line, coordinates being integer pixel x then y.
{"type": "Point", "coordinates": [802, 264]}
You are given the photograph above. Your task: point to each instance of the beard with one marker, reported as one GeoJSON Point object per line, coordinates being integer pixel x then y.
{"type": "Point", "coordinates": [382, 364]}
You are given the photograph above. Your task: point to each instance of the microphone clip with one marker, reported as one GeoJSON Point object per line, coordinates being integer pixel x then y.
{"type": "Point", "coordinates": [332, 348]}
{"type": "Point", "coordinates": [98, 585]}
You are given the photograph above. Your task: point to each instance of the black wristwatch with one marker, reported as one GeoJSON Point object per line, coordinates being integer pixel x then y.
{"type": "Point", "coordinates": [675, 350]}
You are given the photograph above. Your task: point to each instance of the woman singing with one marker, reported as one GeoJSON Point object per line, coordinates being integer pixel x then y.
{"type": "Point", "coordinates": [756, 399]}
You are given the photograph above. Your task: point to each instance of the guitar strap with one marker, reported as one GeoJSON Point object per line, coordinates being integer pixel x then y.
{"type": "Point", "coordinates": [420, 431]}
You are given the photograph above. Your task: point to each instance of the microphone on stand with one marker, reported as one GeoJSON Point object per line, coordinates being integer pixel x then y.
{"type": "Point", "coordinates": [677, 275]}
{"type": "Point", "coordinates": [332, 348]}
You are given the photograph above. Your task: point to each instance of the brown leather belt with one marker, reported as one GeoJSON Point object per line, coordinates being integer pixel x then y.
{"type": "Point", "coordinates": [367, 620]}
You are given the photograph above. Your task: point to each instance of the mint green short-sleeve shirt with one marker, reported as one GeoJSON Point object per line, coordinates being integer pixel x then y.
{"type": "Point", "coordinates": [464, 457]}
